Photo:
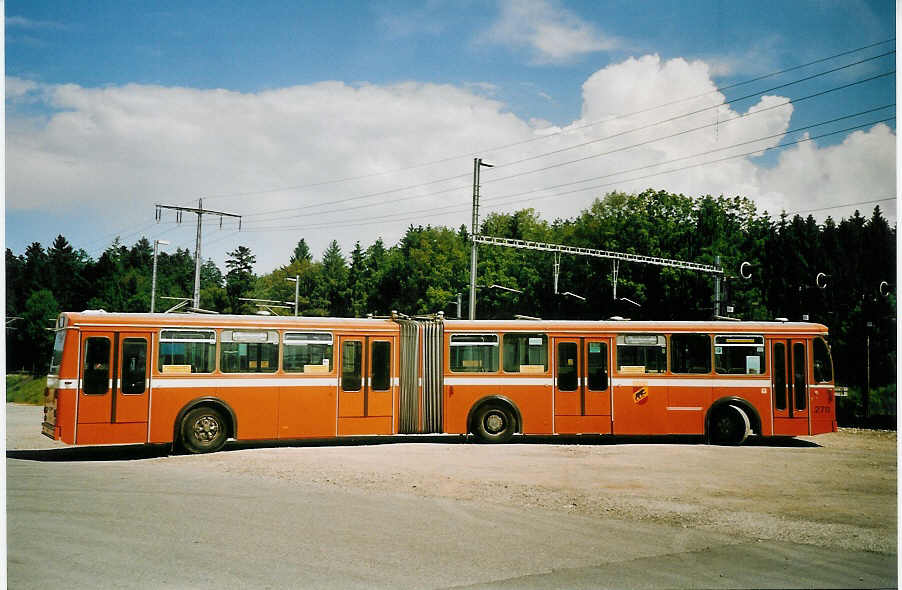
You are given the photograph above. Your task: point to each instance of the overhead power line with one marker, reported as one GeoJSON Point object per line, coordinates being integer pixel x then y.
{"type": "Point", "coordinates": [585, 125]}
{"type": "Point", "coordinates": [131, 231]}
{"type": "Point", "coordinates": [745, 116]}
{"type": "Point", "coordinates": [852, 204]}
{"type": "Point", "coordinates": [516, 196]}
{"type": "Point", "coordinates": [559, 164]}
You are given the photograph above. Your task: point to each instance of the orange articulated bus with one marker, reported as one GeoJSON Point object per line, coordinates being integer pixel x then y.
{"type": "Point", "coordinates": [197, 380]}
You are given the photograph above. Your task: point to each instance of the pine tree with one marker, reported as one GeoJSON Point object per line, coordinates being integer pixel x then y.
{"type": "Point", "coordinates": [301, 252]}
{"type": "Point", "coordinates": [240, 278]}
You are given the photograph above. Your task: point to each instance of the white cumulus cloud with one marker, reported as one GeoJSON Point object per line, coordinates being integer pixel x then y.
{"type": "Point", "coordinates": [551, 33]}
{"type": "Point", "coordinates": [354, 162]}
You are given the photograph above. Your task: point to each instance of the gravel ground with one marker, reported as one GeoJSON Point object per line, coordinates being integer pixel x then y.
{"type": "Point", "coordinates": [836, 490]}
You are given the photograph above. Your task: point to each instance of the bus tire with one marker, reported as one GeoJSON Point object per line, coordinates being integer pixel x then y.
{"type": "Point", "coordinates": [729, 426]}
{"type": "Point", "coordinates": [204, 430]}
{"type": "Point", "coordinates": [494, 423]}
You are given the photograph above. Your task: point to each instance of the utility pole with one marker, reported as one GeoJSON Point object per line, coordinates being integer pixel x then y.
{"type": "Point", "coordinates": [296, 279]}
{"type": "Point", "coordinates": [153, 281]}
{"type": "Point", "coordinates": [200, 213]}
{"type": "Point", "coordinates": [717, 288]}
{"type": "Point", "coordinates": [474, 231]}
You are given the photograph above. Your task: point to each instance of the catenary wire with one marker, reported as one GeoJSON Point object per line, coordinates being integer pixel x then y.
{"type": "Point", "coordinates": [496, 201]}
{"type": "Point", "coordinates": [563, 131]}
{"type": "Point", "coordinates": [560, 164]}
{"type": "Point", "coordinates": [619, 134]}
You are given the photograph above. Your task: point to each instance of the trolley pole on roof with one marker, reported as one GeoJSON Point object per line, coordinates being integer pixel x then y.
{"type": "Point", "coordinates": [200, 213]}
{"type": "Point", "coordinates": [474, 230]}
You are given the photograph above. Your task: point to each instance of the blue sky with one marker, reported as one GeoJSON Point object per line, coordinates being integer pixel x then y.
{"type": "Point", "coordinates": [528, 62]}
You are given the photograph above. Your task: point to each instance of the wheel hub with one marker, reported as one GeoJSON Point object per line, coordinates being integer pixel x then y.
{"type": "Point", "coordinates": [206, 428]}
{"type": "Point", "coordinates": [494, 423]}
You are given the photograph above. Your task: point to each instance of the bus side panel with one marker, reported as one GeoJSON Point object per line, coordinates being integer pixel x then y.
{"type": "Point", "coordinates": [457, 403]}
{"type": "Point", "coordinates": [686, 407]}
{"type": "Point", "coordinates": [640, 406]}
{"type": "Point", "coordinates": [533, 401]}
{"type": "Point", "coordinates": [256, 409]}
{"type": "Point", "coordinates": [166, 403]}
{"type": "Point", "coordinates": [307, 411]}
{"type": "Point", "coordinates": [535, 405]}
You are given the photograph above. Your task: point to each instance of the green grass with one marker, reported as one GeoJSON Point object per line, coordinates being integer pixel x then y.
{"type": "Point", "coordinates": [25, 389]}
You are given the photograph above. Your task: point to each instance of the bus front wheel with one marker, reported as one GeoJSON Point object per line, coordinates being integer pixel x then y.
{"type": "Point", "coordinates": [494, 423]}
{"type": "Point", "coordinates": [203, 430]}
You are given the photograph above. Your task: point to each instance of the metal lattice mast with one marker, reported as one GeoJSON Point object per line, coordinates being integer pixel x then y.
{"type": "Point", "coordinates": [200, 211]}
{"type": "Point", "coordinates": [545, 247]}
{"type": "Point", "coordinates": [616, 257]}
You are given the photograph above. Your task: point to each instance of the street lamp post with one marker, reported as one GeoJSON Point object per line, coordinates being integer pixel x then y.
{"type": "Point", "coordinates": [296, 281]}
{"type": "Point", "coordinates": [153, 280]}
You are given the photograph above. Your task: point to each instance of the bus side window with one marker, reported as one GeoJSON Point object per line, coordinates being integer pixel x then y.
{"type": "Point", "coordinates": [690, 353]}
{"type": "Point", "coordinates": [739, 354]}
{"type": "Point", "coordinates": [639, 354]}
{"type": "Point", "coordinates": [187, 351]}
{"type": "Point", "coordinates": [97, 366]}
{"type": "Point", "coordinates": [307, 352]}
{"type": "Point", "coordinates": [525, 353]}
{"type": "Point", "coordinates": [474, 353]}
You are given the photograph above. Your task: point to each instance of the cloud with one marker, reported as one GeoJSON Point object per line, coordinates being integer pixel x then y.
{"type": "Point", "coordinates": [550, 33]}
{"type": "Point", "coordinates": [424, 20]}
{"type": "Point", "coordinates": [20, 22]}
{"type": "Point", "coordinates": [484, 88]}
{"type": "Point", "coordinates": [17, 89]}
{"type": "Point", "coordinates": [352, 162]}
{"type": "Point", "coordinates": [861, 168]}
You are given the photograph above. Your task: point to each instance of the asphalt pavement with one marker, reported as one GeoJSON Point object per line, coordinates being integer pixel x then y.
{"type": "Point", "coordinates": [131, 517]}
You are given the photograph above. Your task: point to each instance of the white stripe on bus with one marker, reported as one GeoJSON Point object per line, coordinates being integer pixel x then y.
{"type": "Point", "coordinates": [690, 382]}
{"type": "Point", "coordinates": [161, 382]}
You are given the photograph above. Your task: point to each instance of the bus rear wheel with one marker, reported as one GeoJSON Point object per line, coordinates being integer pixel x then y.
{"type": "Point", "coordinates": [203, 430]}
{"type": "Point", "coordinates": [729, 426]}
{"type": "Point", "coordinates": [494, 423]}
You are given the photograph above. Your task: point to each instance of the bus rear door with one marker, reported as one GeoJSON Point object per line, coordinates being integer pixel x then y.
{"type": "Point", "coordinates": [113, 387]}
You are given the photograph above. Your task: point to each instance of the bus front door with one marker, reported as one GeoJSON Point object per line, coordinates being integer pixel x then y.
{"type": "Point", "coordinates": [366, 385]}
{"type": "Point", "coordinates": [582, 391]}
{"type": "Point", "coordinates": [113, 390]}
{"type": "Point", "coordinates": [789, 375]}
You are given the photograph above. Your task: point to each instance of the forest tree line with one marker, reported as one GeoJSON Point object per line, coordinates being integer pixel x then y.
{"type": "Point", "coordinates": [425, 271]}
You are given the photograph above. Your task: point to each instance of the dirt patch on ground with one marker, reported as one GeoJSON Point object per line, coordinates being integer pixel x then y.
{"type": "Point", "coordinates": [836, 490]}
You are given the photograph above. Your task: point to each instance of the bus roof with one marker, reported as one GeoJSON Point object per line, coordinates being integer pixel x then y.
{"type": "Point", "coordinates": [161, 320]}
{"type": "Point", "coordinates": [638, 326]}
